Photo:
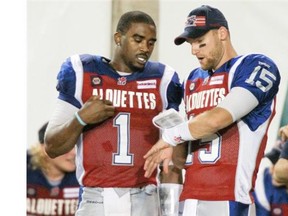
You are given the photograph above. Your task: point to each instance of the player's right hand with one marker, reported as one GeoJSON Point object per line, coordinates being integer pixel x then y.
{"type": "Point", "coordinates": [96, 110]}
{"type": "Point", "coordinates": [160, 152]}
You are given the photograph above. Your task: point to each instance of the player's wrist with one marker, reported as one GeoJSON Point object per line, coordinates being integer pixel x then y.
{"type": "Point", "coordinates": [177, 134]}
{"type": "Point", "coordinates": [79, 119]}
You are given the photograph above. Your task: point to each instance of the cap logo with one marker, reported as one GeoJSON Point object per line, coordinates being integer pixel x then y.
{"type": "Point", "coordinates": [195, 21]}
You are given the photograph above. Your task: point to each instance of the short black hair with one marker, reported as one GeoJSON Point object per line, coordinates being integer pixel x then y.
{"type": "Point", "coordinates": [41, 133]}
{"type": "Point", "coordinates": [130, 17]}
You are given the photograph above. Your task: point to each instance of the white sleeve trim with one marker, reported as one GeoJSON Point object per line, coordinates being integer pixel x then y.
{"type": "Point", "coordinates": [63, 112]}
{"type": "Point", "coordinates": [78, 68]}
{"type": "Point", "coordinates": [239, 102]}
{"type": "Point", "coordinates": [166, 79]}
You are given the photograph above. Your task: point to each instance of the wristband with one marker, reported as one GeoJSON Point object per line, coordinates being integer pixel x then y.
{"type": "Point", "coordinates": [177, 134]}
{"type": "Point", "coordinates": [79, 119]}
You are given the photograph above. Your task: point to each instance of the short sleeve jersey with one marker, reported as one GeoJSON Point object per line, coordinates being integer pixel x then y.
{"type": "Point", "coordinates": [224, 166]}
{"type": "Point", "coordinates": [110, 154]}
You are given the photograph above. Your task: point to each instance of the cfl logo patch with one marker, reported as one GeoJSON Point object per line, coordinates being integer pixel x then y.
{"type": "Point", "coordinates": [122, 81]}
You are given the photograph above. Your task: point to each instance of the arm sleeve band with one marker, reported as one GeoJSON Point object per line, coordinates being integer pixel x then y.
{"type": "Point", "coordinates": [239, 102]}
{"type": "Point", "coordinates": [63, 112]}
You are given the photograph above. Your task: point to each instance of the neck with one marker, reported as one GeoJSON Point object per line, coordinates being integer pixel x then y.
{"type": "Point", "coordinates": [119, 67]}
{"type": "Point", "coordinates": [227, 55]}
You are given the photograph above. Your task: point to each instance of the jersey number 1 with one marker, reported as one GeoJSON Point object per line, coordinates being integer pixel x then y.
{"type": "Point", "coordinates": [122, 157]}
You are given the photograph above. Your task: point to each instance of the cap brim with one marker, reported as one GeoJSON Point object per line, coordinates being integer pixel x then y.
{"type": "Point", "coordinates": [179, 40]}
{"type": "Point", "coordinates": [189, 33]}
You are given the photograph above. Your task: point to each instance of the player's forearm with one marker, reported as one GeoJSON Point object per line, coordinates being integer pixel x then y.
{"type": "Point", "coordinates": [210, 122]}
{"type": "Point", "coordinates": [201, 126]}
{"type": "Point", "coordinates": [238, 103]}
{"type": "Point", "coordinates": [61, 139]}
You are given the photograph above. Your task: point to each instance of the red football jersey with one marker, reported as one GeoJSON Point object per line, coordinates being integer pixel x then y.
{"type": "Point", "coordinates": [224, 166]}
{"type": "Point", "coordinates": [110, 154]}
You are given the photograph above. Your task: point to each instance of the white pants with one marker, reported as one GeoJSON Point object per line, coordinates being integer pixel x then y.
{"type": "Point", "coordinates": [192, 207]}
{"type": "Point", "coordinates": [118, 201]}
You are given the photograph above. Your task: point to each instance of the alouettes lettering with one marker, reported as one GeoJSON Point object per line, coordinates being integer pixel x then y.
{"type": "Point", "coordinates": [46, 206]}
{"type": "Point", "coordinates": [205, 98]}
{"type": "Point", "coordinates": [129, 99]}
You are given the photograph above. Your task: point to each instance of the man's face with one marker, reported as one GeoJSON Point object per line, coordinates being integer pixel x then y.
{"type": "Point", "coordinates": [208, 49]}
{"type": "Point", "coordinates": [137, 46]}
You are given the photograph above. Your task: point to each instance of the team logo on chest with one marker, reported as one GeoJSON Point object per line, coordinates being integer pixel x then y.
{"type": "Point", "coordinates": [54, 191]}
{"type": "Point", "coordinates": [121, 81]}
{"type": "Point", "coordinates": [205, 81]}
{"type": "Point", "coordinates": [96, 80]}
{"type": "Point", "coordinates": [192, 86]}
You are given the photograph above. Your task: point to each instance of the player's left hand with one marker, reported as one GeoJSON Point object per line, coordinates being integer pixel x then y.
{"type": "Point", "coordinates": [160, 152]}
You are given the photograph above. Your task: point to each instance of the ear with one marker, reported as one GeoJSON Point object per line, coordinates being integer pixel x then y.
{"type": "Point", "coordinates": [223, 33]}
{"type": "Point", "coordinates": [117, 38]}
